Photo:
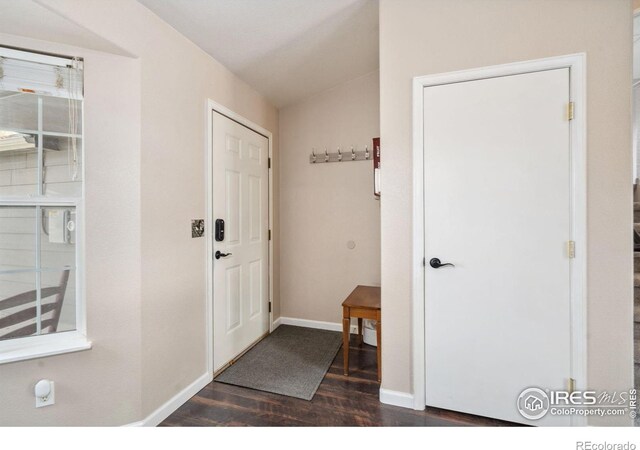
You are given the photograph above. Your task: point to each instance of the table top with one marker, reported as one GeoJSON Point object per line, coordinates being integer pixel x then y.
{"type": "Point", "coordinates": [364, 297]}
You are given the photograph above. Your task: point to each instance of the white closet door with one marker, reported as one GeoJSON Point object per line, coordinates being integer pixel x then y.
{"type": "Point", "coordinates": [497, 206]}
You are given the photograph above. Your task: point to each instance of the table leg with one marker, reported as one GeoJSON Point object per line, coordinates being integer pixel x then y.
{"type": "Point", "coordinates": [346, 324]}
{"type": "Point", "coordinates": [360, 330]}
{"type": "Point", "coordinates": [379, 342]}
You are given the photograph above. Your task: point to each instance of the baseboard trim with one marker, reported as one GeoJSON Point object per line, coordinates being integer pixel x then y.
{"type": "Point", "coordinates": [174, 403]}
{"type": "Point", "coordinates": [139, 423]}
{"type": "Point", "coordinates": [165, 410]}
{"type": "Point", "coordinates": [331, 326]}
{"type": "Point", "coordinates": [396, 398]}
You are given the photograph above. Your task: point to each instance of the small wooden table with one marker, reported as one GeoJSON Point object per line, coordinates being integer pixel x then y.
{"type": "Point", "coordinates": [363, 303]}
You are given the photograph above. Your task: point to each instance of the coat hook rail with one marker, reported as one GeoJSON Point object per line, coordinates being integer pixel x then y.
{"type": "Point", "coordinates": [317, 157]}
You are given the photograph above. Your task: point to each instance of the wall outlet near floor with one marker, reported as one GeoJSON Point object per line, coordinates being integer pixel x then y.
{"type": "Point", "coordinates": [45, 394]}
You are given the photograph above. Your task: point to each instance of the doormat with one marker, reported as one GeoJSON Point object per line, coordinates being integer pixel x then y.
{"type": "Point", "coordinates": [290, 361]}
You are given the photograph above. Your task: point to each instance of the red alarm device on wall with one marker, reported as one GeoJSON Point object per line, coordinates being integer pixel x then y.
{"type": "Point", "coordinates": [376, 166]}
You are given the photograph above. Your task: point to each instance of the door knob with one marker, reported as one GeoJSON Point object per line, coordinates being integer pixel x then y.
{"type": "Point", "coordinates": [219, 254]}
{"type": "Point", "coordinates": [436, 263]}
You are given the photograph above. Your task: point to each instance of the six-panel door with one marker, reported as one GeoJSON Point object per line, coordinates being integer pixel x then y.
{"type": "Point", "coordinates": [240, 198]}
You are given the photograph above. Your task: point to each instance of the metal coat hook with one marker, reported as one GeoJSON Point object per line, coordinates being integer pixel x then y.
{"type": "Point", "coordinates": [339, 156]}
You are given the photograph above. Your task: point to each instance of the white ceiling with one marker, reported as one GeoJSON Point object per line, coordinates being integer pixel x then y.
{"type": "Point", "coordinates": [286, 49]}
{"type": "Point", "coordinates": [29, 19]}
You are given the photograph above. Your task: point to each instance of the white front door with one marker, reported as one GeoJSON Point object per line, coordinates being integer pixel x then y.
{"type": "Point", "coordinates": [240, 260]}
{"type": "Point", "coordinates": [497, 190]}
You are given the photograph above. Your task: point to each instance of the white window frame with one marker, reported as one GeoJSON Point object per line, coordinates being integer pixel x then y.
{"type": "Point", "coordinates": [30, 347]}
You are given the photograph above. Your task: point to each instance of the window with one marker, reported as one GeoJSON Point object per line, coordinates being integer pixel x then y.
{"type": "Point", "coordinates": [41, 204]}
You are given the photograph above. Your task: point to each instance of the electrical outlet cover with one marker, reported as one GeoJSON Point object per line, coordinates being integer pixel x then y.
{"type": "Point", "coordinates": [51, 399]}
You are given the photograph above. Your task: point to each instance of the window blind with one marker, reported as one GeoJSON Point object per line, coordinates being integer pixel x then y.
{"type": "Point", "coordinates": [51, 75]}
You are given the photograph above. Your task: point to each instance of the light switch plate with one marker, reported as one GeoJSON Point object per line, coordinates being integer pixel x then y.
{"type": "Point", "coordinates": [197, 228]}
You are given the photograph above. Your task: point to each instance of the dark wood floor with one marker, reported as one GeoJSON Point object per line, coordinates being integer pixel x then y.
{"type": "Point", "coordinates": [339, 401]}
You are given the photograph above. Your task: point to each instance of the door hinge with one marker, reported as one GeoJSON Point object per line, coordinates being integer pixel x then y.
{"type": "Point", "coordinates": [570, 110]}
{"type": "Point", "coordinates": [571, 249]}
{"type": "Point", "coordinates": [571, 385]}
{"type": "Point", "coordinates": [269, 306]}
{"type": "Point", "coordinates": [269, 163]}
{"type": "Point", "coordinates": [269, 234]}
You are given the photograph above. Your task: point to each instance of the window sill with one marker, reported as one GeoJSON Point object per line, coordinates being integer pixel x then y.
{"type": "Point", "coordinates": [23, 349]}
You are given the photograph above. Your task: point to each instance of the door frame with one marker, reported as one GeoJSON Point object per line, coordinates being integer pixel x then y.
{"type": "Point", "coordinates": [212, 106]}
{"type": "Point", "coordinates": [578, 209]}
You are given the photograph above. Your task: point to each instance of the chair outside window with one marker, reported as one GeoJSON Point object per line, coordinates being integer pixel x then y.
{"type": "Point", "coordinates": [22, 310]}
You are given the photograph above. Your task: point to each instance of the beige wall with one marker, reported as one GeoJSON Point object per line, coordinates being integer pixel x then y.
{"type": "Point", "coordinates": [176, 79]}
{"type": "Point", "coordinates": [421, 38]}
{"type": "Point", "coordinates": [324, 206]}
{"type": "Point", "coordinates": [112, 252]}
{"type": "Point", "coordinates": [158, 303]}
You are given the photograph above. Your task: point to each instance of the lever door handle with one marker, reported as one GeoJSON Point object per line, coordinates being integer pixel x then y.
{"type": "Point", "coordinates": [436, 263]}
{"type": "Point", "coordinates": [219, 254]}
